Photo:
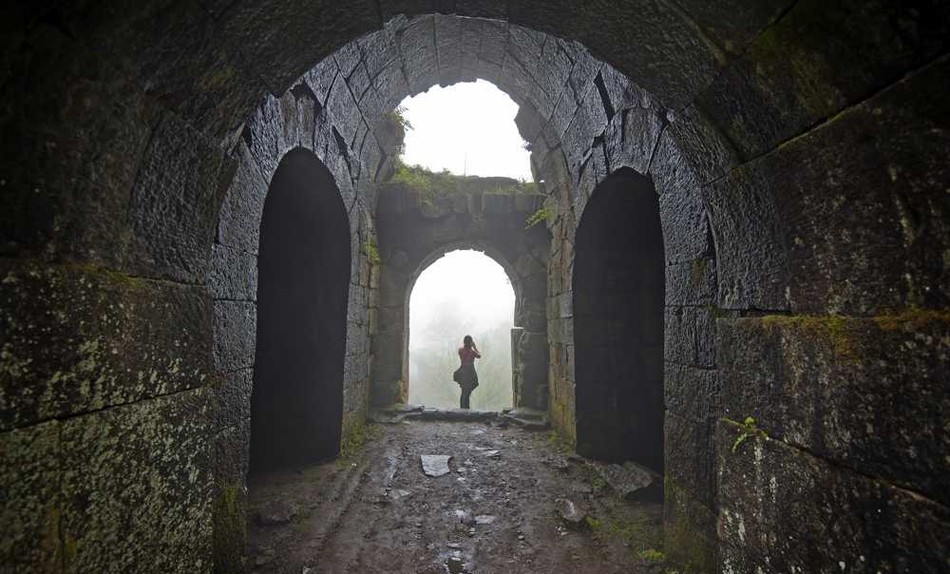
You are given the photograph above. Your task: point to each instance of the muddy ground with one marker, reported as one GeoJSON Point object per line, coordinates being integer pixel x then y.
{"type": "Point", "coordinates": [374, 509]}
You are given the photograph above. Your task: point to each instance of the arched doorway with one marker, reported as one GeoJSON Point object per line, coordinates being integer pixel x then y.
{"type": "Point", "coordinates": [463, 292]}
{"type": "Point", "coordinates": [618, 286]}
{"type": "Point", "coordinates": [303, 281]}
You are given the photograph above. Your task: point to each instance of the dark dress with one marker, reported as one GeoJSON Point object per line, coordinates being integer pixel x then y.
{"type": "Point", "coordinates": [466, 376]}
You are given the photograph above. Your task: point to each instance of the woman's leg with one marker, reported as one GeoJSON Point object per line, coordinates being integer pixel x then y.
{"type": "Point", "coordinates": [466, 393]}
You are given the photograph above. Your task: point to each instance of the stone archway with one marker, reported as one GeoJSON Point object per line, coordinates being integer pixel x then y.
{"type": "Point", "coordinates": [302, 288]}
{"type": "Point", "coordinates": [805, 141]}
{"type": "Point", "coordinates": [414, 231]}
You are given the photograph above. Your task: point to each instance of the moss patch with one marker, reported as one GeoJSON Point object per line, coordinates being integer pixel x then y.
{"type": "Point", "coordinates": [230, 510]}
{"type": "Point", "coordinates": [912, 319]}
{"type": "Point", "coordinates": [833, 328]}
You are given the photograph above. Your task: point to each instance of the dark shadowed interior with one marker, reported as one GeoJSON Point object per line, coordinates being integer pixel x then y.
{"type": "Point", "coordinates": [618, 323]}
{"type": "Point", "coordinates": [303, 277]}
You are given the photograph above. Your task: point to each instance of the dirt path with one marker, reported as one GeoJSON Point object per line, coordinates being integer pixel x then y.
{"type": "Point", "coordinates": [494, 512]}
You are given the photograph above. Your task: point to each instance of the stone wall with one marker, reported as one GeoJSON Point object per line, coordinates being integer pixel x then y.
{"type": "Point", "coordinates": [797, 149]}
{"type": "Point", "coordinates": [416, 226]}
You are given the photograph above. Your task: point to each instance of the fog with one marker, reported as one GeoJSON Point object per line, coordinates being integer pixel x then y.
{"type": "Point", "coordinates": [467, 129]}
{"type": "Point", "coordinates": [463, 293]}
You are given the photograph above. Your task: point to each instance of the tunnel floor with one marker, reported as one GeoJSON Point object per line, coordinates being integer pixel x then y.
{"type": "Point", "coordinates": [375, 510]}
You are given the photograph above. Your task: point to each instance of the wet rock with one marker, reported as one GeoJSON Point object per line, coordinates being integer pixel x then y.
{"type": "Point", "coordinates": [571, 513]}
{"type": "Point", "coordinates": [277, 512]}
{"type": "Point", "coordinates": [631, 481]}
{"type": "Point", "coordinates": [435, 464]}
{"type": "Point", "coordinates": [492, 454]}
{"type": "Point", "coordinates": [454, 565]}
{"type": "Point", "coordinates": [465, 517]}
{"type": "Point", "coordinates": [528, 419]}
{"type": "Point", "coordinates": [483, 519]}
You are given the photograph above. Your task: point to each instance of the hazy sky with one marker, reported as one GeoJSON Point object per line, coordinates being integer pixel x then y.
{"type": "Point", "coordinates": [468, 279]}
{"type": "Point", "coordinates": [467, 128]}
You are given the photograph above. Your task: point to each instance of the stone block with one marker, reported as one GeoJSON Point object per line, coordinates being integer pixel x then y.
{"type": "Point", "coordinates": [691, 284]}
{"type": "Point", "coordinates": [77, 338]}
{"type": "Point", "coordinates": [498, 203]}
{"type": "Point", "coordinates": [137, 488]}
{"type": "Point", "coordinates": [689, 529]}
{"type": "Point", "coordinates": [631, 138]}
{"type": "Point", "coordinates": [848, 389]}
{"type": "Point", "coordinates": [690, 336]}
{"type": "Point", "coordinates": [348, 57]}
{"type": "Point", "coordinates": [493, 35]}
{"type": "Point", "coordinates": [235, 335]}
{"type": "Point", "coordinates": [343, 111]}
{"type": "Point", "coordinates": [66, 191]}
{"type": "Point", "coordinates": [751, 253]}
{"type": "Point", "coordinates": [30, 501]}
{"type": "Point", "coordinates": [230, 458]}
{"type": "Point", "coordinates": [176, 196]}
{"type": "Point", "coordinates": [619, 91]}
{"type": "Point", "coordinates": [734, 23]}
{"type": "Point", "coordinates": [233, 274]}
{"type": "Point", "coordinates": [685, 223]}
{"type": "Point", "coordinates": [239, 221]}
{"type": "Point", "coordinates": [669, 58]}
{"type": "Point", "coordinates": [264, 136]}
{"type": "Point", "coordinates": [690, 457]}
{"type": "Point", "coordinates": [321, 77]}
{"type": "Point", "coordinates": [416, 44]}
{"type": "Point", "coordinates": [861, 204]}
{"type": "Point", "coordinates": [691, 393]}
{"type": "Point", "coordinates": [391, 85]}
{"type": "Point", "coordinates": [231, 394]}
{"type": "Point", "coordinates": [816, 60]}
{"type": "Point", "coordinates": [284, 39]}
{"type": "Point", "coordinates": [783, 509]}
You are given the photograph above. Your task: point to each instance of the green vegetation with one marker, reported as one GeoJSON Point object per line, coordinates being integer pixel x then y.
{"type": "Point", "coordinates": [832, 327]}
{"type": "Point", "coordinates": [636, 530]}
{"type": "Point", "coordinates": [913, 318]}
{"type": "Point", "coordinates": [652, 555]}
{"type": "Point", "coordinates": [356, 437]}
{"type": "Point", "coordinates": [542, 214]}
{"type": "Point", "coordinates": [371, 252]}
{"type": "Point", "coordinates": [229, 532]}
{"type": "Point", "coordinates": [745, 430]}
{"type": "Point", "coordinates": [432, 184]}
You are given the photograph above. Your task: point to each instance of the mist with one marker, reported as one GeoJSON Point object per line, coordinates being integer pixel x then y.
{"type": "Point", "coordinates": [462, 293]}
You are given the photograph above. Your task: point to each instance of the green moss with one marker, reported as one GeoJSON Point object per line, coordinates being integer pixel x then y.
{"type": "Point", "coordinates": [687, 546]}
{"type": "Point", "coordinates": [637, 531]}
{"type": "Point", "coordinates": [355, 436]}
{"type": "Point", "coordinates": [833, 328]}
{"type": "Point", "coordinates": [110, 276]}
{"type": "Point", "coordinates": [371, 252]}
{"type": "Point", "coordinates": [230, 509]}
{"type": "Point", "coordinates": [652, 555]}
{"type": "Point", "coordinates": [914, 319]}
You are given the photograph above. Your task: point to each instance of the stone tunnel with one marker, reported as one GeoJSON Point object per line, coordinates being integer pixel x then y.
{"type": "Point", "coordinates": [747, 205]}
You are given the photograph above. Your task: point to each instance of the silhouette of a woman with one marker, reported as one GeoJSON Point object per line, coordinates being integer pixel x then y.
{"type": "Point", "coordinates": [466, 376]}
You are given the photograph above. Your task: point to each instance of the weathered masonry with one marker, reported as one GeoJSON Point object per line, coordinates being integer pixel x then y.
{"type": "Point", "coordinates": [757, 191]}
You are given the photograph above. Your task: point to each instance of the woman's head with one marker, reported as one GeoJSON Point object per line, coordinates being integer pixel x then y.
{"type": "Point", "coordinates": [467, 341]}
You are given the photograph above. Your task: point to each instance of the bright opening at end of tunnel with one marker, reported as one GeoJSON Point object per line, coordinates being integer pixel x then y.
{"type": "Point", "coordinates": [462, 293]}
{"type": "Point", "coordinates": [467, 129]}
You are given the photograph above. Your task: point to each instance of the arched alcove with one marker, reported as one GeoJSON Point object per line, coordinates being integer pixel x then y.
{"type": "Point", "coordinates": [618, 286]}
{"type": "Point", "coordinates": [303, 278]}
